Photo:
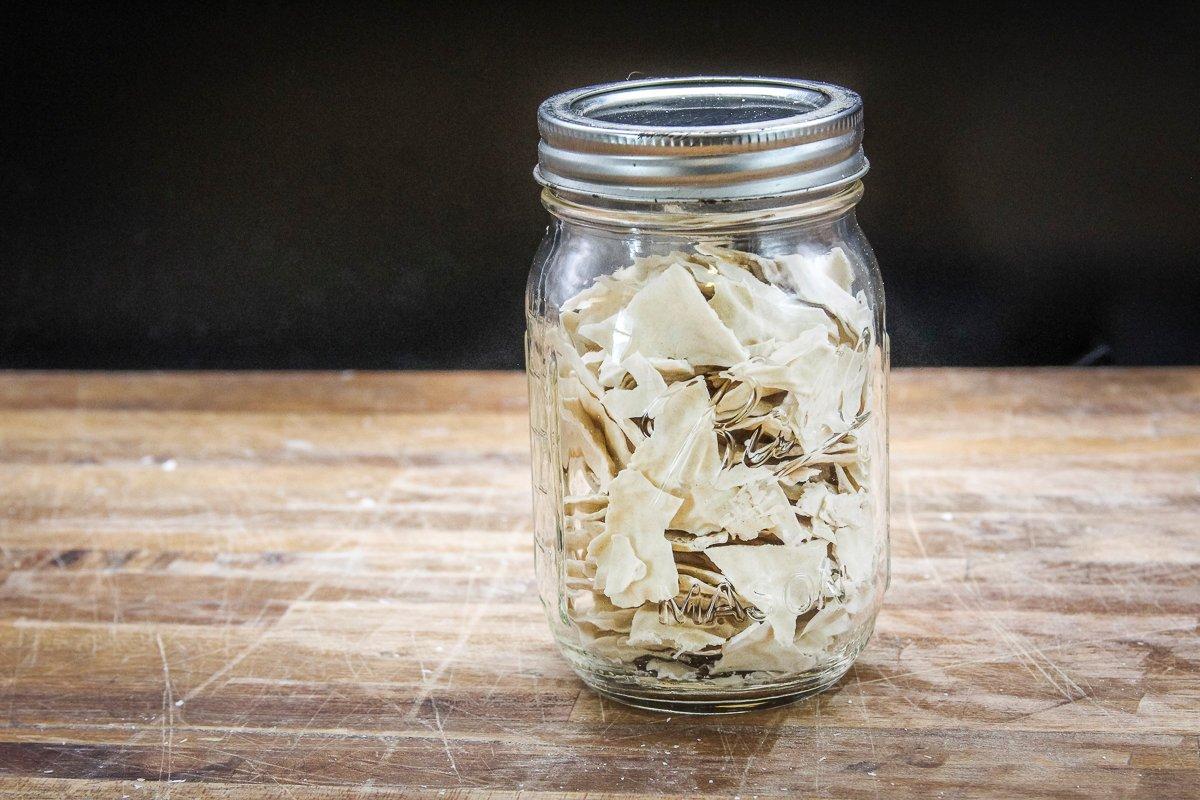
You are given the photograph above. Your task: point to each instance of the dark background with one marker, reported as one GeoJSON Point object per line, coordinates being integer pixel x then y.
{"type": "Point", "coordinates": [307, 186]}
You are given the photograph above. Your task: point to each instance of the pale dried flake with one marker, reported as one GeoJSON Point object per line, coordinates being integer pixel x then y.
{"type": "Point", "coordinates": [856, 474]}
{"type": "Point", "coordinates": [758, 312]}
{"type": "Point", "coordinates": [812, 498]}
{"type": "Point", "coordinates": [690, 574]}
{"type": "Point", "coordinates": [797, 366]}
{"type": "Point", "coordinates": [579, 533]}
{"type": "Point", "coordinates": [616, 434]}
{"type": "Point", "coordinates": [741, 516]}
{"type": "Point", "coordinates": [682, 542]}
{"type": "Point", "coordinates": [838, 385]}
{"type": "Point", "coordinates": [701, 510]}
{"type": "Point", "coordinates": [763, 418]}
{"type": "Point", "coordinates": [578, 477]}
{"type": "Point", "coordinates": [761, 506]}
{"type": "Point", "coordinates": [577, 574]}
{"type": "Point", "coordinates": [855, 547]}
{"type": "Point", "coordinates": [843, 519]}
{"type": "Point", "coordinates": [646, 398]}
{"type": "Point", "coordinates": [825, 415]}
{"type": "Point", "coordinates": [572, 365]}
{"type": "Point", "coordinates": [587, 298]}
{"type": "Point", "coordinates": [585, 506]}
{"type": "Point", "coordinates": [671, 670]}
{"type": "Point", "coordinates": [600, 333]}
{"type": "Point", "coordinates": [617, 564]}
{"type": "Point", "coordinates": [610, 372]}
{"type": "Point", "coordinates": [604, 297]}
{"type": "Point", "coordinates": [824, 280]}
{"type": "Point", "coordinates": [831, 621]}
{"type": "Point", "coordinates": [595, 609]}
{"type": "Point", "coordinates": [581, 436]}
{"type": "Point", "coordinates": [681, 454]}
{"type": "Point", "coordinates": [669, 318]}
{"type": "Point", "coordinates": [844, 481]}
{"type": "Point", "coordinates": [646, 267]}
{"type": "Point", "coordinates": [780, 580]}
{"type": "Point", "coordinates": [581, 513]}
{"type": "Point", "coordinates": [592, 359]}
{"type": "Point", "coordinates": [845, 510]}
{"type": "Point", "coordinates": [761, 350]}
{"type": "Point", "coordinates": [757, 650]}
{"type": "Point", "coordinates": [819, 501]}
{"type": "Point", "coordinates": [822, 530]}
{"type": "Point", "coordinates": [735, 680]}
{"type": "Point", "coordinates": [741, 475]}
{"type": "Point", "coordinates": [835, 265]}
{"type": "Point", "coordinates": [851, 378]}
{"type": "Point", "coordinates": [736, 400]}
{"type": "Point", "coordinates": [673, 369]}
{"type": "Point", "coordinates": [638, 513]}
{"type": "Point", "coordinates": [650, 632]}
{"type": "Point", "coordinates": [796, 476]}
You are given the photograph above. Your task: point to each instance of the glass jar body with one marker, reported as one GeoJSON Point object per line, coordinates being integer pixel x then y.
{"type": "Point", "coordinates": [709, 441]}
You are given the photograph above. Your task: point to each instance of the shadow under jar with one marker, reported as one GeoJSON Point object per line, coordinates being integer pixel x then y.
{"type": "Point", "coordinates": [707, 376]}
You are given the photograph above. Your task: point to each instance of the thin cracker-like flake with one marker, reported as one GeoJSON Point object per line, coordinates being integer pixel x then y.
{"type": "Point", "coordinates": [635, 527]}
{"type": "Point", "coordinates": [775, 578]}
{"type": "Point", "coordinates": [823, 280]}
{"type": "Point", "coordinates": [581, 436]}
{"type": "Point", "coordinates": [645, 398]}
{"type": "Point", "coordinates": [669, 318]}
{"type": "Point", "coordinates": [758, 312]}
{"type": "Point", "coordinates": [756, 650]}
{"type": "Point", "coordinates": [682, 457]}
{"type": "Point", "coordinates": [650, 632]}
{"type": "Point", "coordinates": [761, 506]}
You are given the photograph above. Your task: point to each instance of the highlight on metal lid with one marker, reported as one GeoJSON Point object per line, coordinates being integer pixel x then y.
{"type": "Point", "coordinates": [701, 138]}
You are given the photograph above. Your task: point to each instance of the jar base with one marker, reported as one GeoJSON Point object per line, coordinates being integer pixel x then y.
{"type": "Point", "coordinates": [733, 702]}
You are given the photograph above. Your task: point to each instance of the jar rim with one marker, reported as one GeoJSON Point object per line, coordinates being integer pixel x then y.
{"type": "Point", "coordinates": [701, 138]}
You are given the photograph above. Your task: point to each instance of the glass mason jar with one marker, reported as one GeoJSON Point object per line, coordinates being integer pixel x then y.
{"type": "Point", "coordinates": [707, 381]}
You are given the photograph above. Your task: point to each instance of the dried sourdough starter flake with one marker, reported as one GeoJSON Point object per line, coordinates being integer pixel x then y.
{"type": "Point", "coordinates": [633, 558]}
{"type": "Point", "coordinates": [669, 318]}
{"type": "Point", "coordinates": [779, 580]}
{"type": "Point", "coordinates": [714, 420]}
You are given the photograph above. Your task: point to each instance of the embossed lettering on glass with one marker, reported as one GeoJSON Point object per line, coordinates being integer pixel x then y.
{"type": "Point", "coordinates": [707, 367]}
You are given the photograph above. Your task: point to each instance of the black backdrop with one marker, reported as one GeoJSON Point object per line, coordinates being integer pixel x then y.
{"type": "Point", "coordinates": [337, 186]}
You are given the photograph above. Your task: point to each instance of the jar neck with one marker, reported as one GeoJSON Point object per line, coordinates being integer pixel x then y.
{"type": "Point", "coordinates": [725, 217]}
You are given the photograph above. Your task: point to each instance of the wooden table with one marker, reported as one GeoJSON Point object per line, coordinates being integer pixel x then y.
{"type": "Point", "coordinates": [321, 586]}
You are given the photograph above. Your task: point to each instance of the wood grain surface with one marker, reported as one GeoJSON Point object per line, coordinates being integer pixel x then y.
{"type": "Point", "coordinates": [321, 586]}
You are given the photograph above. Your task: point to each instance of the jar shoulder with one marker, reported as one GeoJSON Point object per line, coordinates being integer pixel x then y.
{"type": "Point", "coordinates": [571, 258]}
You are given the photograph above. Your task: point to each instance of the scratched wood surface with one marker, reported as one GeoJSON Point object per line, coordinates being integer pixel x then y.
{"type": "Point", "coordinates": [321, 586]}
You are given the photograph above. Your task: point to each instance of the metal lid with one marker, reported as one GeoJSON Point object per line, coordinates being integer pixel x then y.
{"type": "Point", "coordinates": [702, 138]}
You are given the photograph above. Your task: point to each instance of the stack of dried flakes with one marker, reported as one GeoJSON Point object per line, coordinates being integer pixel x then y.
{"type": "Point", "coordinates": [717, 508]}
